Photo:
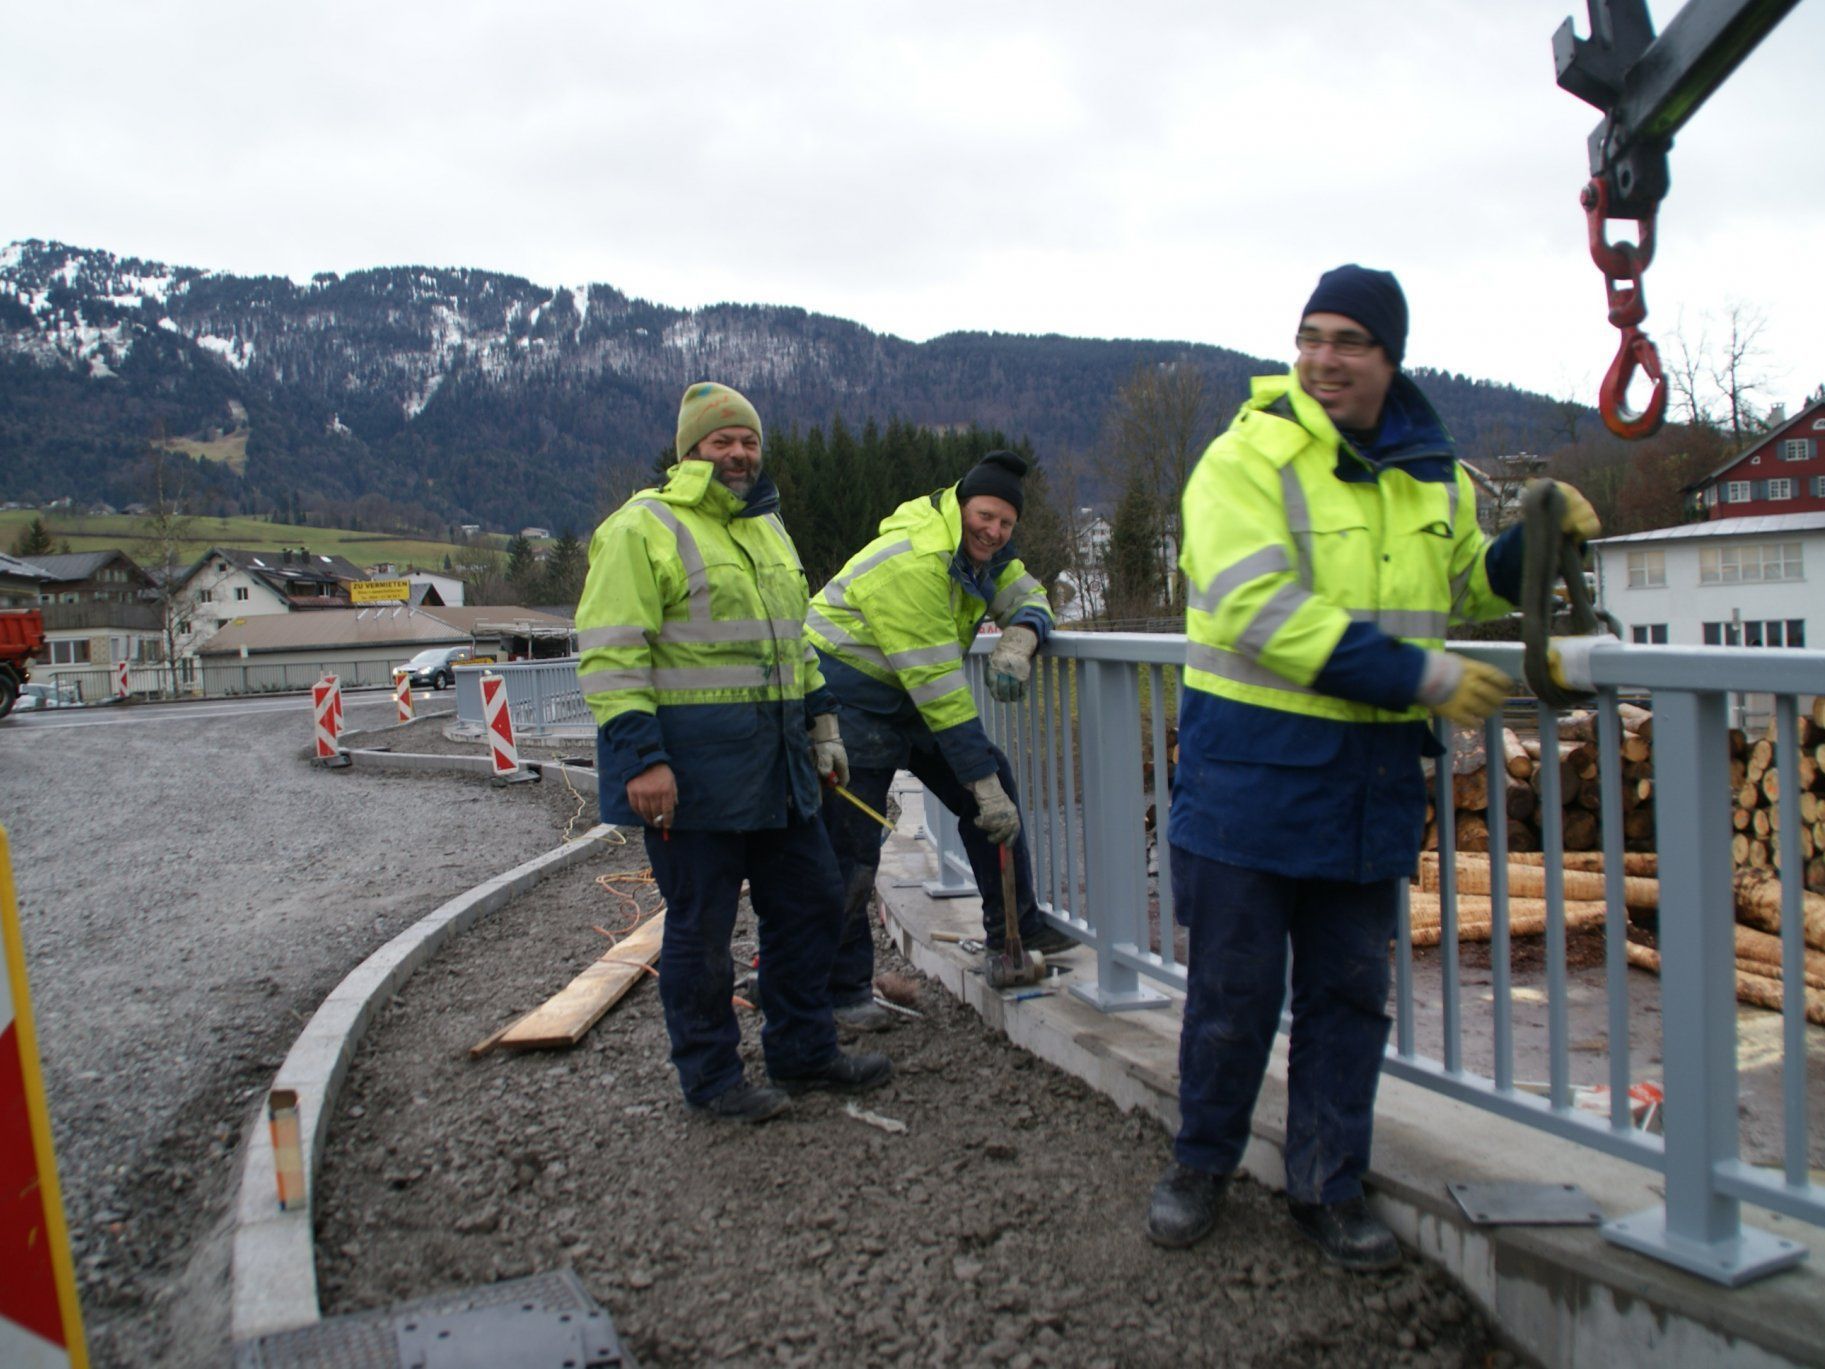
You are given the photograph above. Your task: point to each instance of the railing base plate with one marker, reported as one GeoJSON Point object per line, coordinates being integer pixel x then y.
{"type": "Point", "coordinates": [1129, 1000]}
{"type": "Point", "coordinates": [1747, 1256]}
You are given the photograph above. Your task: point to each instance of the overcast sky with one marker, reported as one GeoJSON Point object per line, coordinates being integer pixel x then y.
{"type": "Point", "coordinates": [1145, 169]}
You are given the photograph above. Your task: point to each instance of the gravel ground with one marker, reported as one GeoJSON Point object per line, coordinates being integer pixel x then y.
{"type": "Point", "coordinates": [1001, 1226]}
{"type": "Point", "coordinates": [190, 890]}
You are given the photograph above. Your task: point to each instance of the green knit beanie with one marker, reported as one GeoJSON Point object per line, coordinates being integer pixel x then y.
{"type": "Point", "coordinates": [707, 407]}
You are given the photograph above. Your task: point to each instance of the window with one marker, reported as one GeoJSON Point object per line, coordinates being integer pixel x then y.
{"type": "Point", "coordinates": [1647, 569]}
{"type": "Point", "coordinates": [1797, 449]}
{"type": "Point", "coordinates": [1749, 562]}
{"type": "Point", "coordinates": [1775, 632]}
{"type": "Point", "coordinates": [1818, 487]}
{"type": "Point", "coordinates": [1645, 633]}
{"type": "Point", "coordinates": [1780, 489]}
{"type": "Point", "coordinates": [70, 653]}
{"type": "Point", "coordinates": [205, 596]}
{"type": "Point", "coordinates": [1736, 492]}
{"type": "Point", "coordinates": [240, 593]}
{"type": "Point", "coordinates": [1723, 634]}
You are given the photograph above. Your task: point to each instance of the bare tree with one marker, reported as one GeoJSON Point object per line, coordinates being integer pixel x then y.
{"type": "Point", "coordinates": [1683, 363]}
{"type": "Point", "coordinates": [1158, 426]}
{"type": "Point", "coordinates": [162, 547]}
{"type": "Point", "coordinates": [1736, 372]}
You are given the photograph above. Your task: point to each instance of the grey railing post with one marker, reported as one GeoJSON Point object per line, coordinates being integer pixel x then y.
{"type": "Point", "coordinates": [1698, 1227]}
{"type": "Point", "coordinates": [1115, 837]}
{"type": "Point", "coordinates": [954, 879]}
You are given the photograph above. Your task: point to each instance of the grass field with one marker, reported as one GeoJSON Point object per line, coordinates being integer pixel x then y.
{"type": "Point", "coordinates": [86, 533]}
{"type": "Point", "coordinates": [230, 449]}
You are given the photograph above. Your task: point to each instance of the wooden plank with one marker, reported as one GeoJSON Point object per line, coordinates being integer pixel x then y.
{"type": "Point", "coordinates": [562, 1019]}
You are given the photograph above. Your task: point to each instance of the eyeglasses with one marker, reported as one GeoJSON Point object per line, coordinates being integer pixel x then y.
{"type": "Point", "coordinates": [1344, 344]}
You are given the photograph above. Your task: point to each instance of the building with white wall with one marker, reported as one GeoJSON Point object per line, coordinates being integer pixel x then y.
{"type": "Point", "coordinates": [1727, 582]}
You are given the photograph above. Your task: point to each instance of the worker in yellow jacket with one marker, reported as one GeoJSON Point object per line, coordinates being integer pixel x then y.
{"type": "Point", "coordinates": [1330, 536]}
{"type": "Point", "coordinates": [714, 729]}
{"type": "Point", "coordinates": [891, 631]}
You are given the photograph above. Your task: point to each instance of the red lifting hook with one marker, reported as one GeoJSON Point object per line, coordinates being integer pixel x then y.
{"type": "Point", "coordinates": [1622, 264]}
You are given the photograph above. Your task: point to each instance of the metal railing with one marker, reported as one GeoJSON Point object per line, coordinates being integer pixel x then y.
{"type": "Point", "coordinates": [1089, 747]}
{"type": "Point", "coordinates": [233, 676]}
{"type": "Point", "coordinates": [543, 697]}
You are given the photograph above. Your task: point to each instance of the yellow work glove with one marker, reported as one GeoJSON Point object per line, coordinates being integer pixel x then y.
{"type": "Point", "coordinates": [1461, 690]}
{"type": "Point", "coordinates": [828, 753]}
{"type": "Point", "coordinates": [1011, 663]}
{"type": "Point", "coordinates": [995, 811]}
{"type": "Point", "coordinates": [1580, 518]}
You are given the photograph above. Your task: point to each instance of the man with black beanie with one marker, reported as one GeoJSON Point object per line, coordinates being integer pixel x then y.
{"type": "Point", "coordinates": [1330, 537]}
{"type": "Point", "coordinates": [891, 631]}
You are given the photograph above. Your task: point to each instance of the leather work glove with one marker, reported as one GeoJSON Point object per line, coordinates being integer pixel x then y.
{"type": "Point", "coordinates": [1011, 663]}
{"type": "Point", "coordinates": [995, 811]}
{"type": "Point", "coordinates": [827, 751]}
{"type": "Point", "coordinates": [1461, 690]}
{"type": "Point", "coordinates": [1580, 518]}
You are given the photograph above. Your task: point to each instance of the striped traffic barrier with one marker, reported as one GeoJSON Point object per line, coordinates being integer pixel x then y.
{"type": "Point", "coordinates": [497, 726]}
{"type": "Point", "coordinates": [335, 684]}
{"type": "Point", "coordinates": [402, 694]}
{"type": "Point", "coordinates": [326, 727]}
{"type": "Point", "coordinates": [40, 1318]}
{"type": "Point", "coordinates": [121, 687]}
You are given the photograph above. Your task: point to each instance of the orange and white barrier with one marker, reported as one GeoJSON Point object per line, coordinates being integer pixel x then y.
{"type": "Point", "coordinates": [402, 694]}
{"type": "Point", "coordinates": [121, 687]}
{"type": "Point", "coordinates": [327, 723]}
{"type": "Point", "coordinates": [335, 684]}
{"type": "Point", "coordinates": [497, 723]}
{"type": "Point", "coordinates": [40, 1319]}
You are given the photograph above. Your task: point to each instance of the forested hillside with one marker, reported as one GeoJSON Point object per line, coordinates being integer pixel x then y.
{"type": "Point", "coordinates": [416, 398]}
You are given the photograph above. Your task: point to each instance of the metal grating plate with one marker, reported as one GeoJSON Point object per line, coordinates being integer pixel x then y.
{"type": "Point", "coordinates": [1518, 1204]}
{"type": "Point", "coordinates": [370, 1340]}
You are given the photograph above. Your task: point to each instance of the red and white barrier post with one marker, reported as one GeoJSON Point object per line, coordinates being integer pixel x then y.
{"type": "Point", "coordinates": [121, 687]}
{"type": "Point", "coordinates": [326, 721]}
{"type": "Point", "coordinates": [40, 1318]}
{"type": "Point", "coordinates": [497, 724]}
{"type": "Point", "coordinates": [335, 684]}
{"type": "Point", "coordinates": [402, 694]}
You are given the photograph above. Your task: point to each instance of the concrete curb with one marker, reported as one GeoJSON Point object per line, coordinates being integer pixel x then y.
{"type": "Point", "coordinates": [273, 1275]}
{"type": "Point", "coordinates": [1563, 1295]}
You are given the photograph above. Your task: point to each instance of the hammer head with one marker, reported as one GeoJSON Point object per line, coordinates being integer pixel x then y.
{"type": "Point", "coordinates": [1006, 971]}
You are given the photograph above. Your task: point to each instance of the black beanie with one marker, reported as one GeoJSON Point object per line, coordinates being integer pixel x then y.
{"type": "Point", "coordinates": [998, 473]}
{"type": "Point", "coordinates": [1372, 298]}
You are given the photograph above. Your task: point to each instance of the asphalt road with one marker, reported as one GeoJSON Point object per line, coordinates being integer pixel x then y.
{"type": "Point", "coordinates": [190, 889]}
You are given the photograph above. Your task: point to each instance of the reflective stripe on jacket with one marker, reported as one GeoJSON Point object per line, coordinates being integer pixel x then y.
{"type": "Point", "coordinates": [904, 611]}
{"type": "Point", "coordinates": [691, 633]}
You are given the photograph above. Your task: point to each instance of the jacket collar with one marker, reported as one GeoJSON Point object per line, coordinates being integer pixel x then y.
{"type": "Point", "coordinates": [693, 484]}
{"type": "Point", "coordinates": [1411, 435]}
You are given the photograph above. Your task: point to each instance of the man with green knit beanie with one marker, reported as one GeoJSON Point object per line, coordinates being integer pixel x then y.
{"type": "Point", "coordinates": [714, 728]}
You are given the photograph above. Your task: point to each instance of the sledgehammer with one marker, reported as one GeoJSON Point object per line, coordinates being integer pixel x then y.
{"type": "Point", "coordinates": [1015, 965]}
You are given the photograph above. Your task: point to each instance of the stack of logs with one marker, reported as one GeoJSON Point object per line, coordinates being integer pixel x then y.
{"type": "Point", "coordinates": [1755, 847]}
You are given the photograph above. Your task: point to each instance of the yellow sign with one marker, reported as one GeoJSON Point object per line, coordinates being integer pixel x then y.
{"type": "Point", "coordinates": [380, 591]}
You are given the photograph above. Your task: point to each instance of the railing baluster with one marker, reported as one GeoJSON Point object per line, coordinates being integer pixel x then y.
{"type": "Point", "coordinates": [1444, 808]}
{"type": "Point", "coordinates": [1615, 909]}
{"type": "Point", "coordinates": [1552, 840]}
{"type": "Point", "coordinates": [1495, 778]}
{"type": "Point", "coordinates": [1793, 943]}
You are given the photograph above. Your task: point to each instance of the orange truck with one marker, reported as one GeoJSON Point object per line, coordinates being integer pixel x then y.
{"type": "Point", "coordinates": [21, 641]}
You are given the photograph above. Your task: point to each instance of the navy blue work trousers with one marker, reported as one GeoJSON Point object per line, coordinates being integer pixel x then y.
{"type": "Point", "coordinates": [1242, 922]}
{"type": "Point", "coordinates": [857, 839]}
{"type": "Point", "coordinates": [798, 905]}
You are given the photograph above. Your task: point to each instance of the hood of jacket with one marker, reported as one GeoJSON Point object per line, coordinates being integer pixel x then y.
{"type": "Point", "coordinates": [693, 484]}
{"type": "Point", "coordinates": [1411, 434]}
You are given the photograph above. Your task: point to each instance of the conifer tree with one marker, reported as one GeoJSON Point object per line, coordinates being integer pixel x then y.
{"type": "Point", "coordinates": [34, 539]}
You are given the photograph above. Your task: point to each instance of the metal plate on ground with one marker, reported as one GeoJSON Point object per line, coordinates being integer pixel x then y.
{"type": "Point", "coordinates": [367, 1340]}
{"type": "Point", "coordinates": [1519, 1204]}
{"type": "Point", "coordinates": [525, 1337]}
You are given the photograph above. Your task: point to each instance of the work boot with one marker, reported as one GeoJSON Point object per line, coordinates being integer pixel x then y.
{"type": "Point", "coordinates": [1348, 1233]}
{"type": "Point", "coordinates": [866, 1016]}
{"type": "Point", "coordinates": [745, 1102]}
{"type": "Point", "coordinates": [855, 1073]}
{"type": "Point", "coordinates": [1048, 940]}
{"type": "Point", "coordinates": [1184, 1206]}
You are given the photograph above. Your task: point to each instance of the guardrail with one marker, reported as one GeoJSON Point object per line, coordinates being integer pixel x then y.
{"type": "Point", "coordinates": [543, 697]}
{"type": "Point", "coordinates": [1085, 746]}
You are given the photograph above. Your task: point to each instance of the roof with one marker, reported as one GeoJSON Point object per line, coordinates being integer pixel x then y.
{"type": "Point", "coordinates": [75, 565]}
{"type": "Point", "coordinates": [21, 570]}
{"type": "Point", "coordinates": [380, 626]}
{"type": "Point", "coordinates": [1754, 525]}
{"type": "Point", "coordinates": [1780, 430]}
{"type": "Point", "coordinates": [282, 566]}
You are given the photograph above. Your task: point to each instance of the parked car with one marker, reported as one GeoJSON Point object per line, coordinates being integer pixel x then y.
{"type": "Point", "coordinates": [435, 667]}
{"type": "Point", "coordinates": [49, 694]}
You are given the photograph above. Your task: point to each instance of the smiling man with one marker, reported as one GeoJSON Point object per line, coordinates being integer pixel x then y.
{"type": "Point", "coordinates": [1330, 538]}
{"type": "Point", "coordinates": [714, 726]}
{"type": "Point", "coordinates": [891, 631]}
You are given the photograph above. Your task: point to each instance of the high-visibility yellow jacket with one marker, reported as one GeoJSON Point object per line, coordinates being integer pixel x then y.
{"type": "Point", "coordinates": [895, 623]}
{"type": "Point", "coordinates": [691, 633]}
{"type": "Point", "coordinates": [1317, 574]}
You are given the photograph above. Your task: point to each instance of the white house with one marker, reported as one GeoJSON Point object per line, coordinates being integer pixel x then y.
{"type": "Point", "coordinates": [1728, 582]}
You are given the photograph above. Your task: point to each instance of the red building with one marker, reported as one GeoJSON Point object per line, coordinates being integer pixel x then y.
{"type": "Point", "coordinates": [1783, 473]}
